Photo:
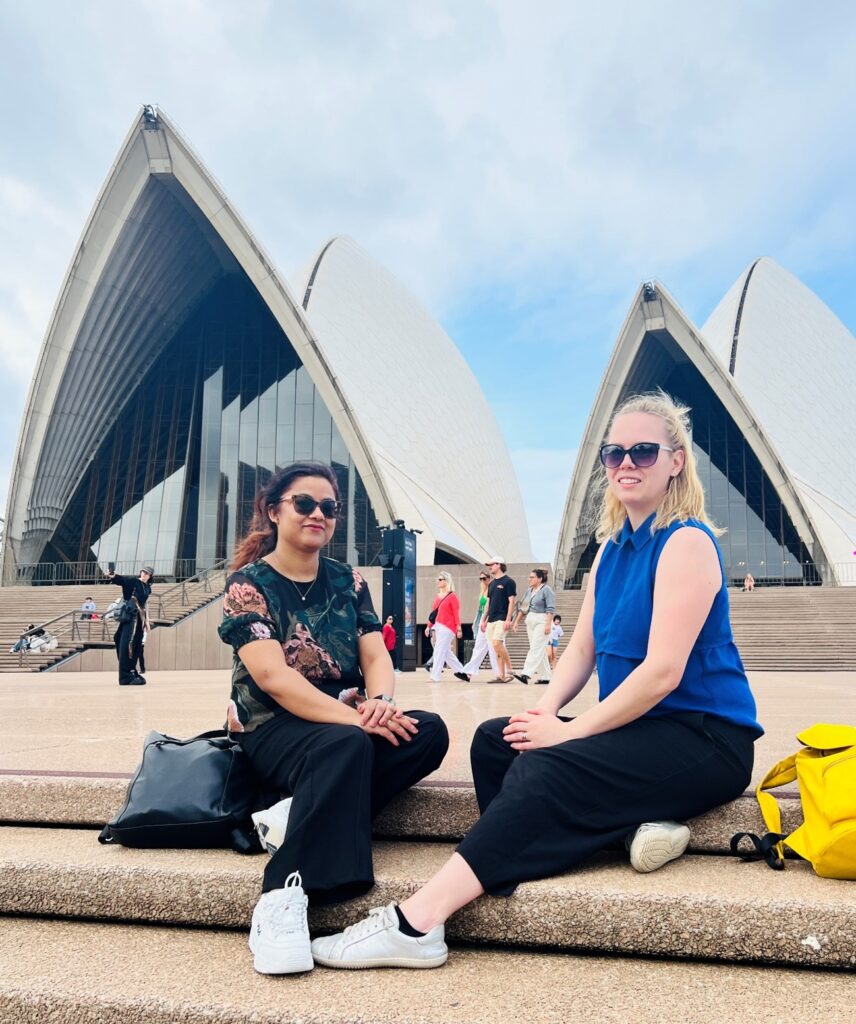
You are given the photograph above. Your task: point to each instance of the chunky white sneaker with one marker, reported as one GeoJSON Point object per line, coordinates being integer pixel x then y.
{"type": "Point", "coordinates": [376, 941]}
{"type": "Point", "coordinates": [279, 934]}
{"type": "Point", "coordinates": [271, 825]}
{"type": "Point", "coordinates": [656, 843]}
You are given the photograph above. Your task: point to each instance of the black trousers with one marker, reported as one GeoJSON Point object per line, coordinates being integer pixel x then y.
{"type": "Point", "coordinates": [128, 640]}
{"type": "Point", "coordinates": [339, 778]}
{"type": "Point", "coordinates": [545, 811]}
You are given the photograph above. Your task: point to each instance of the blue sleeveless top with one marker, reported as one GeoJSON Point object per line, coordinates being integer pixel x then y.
{"type": "Point", "coordinates": [714, 681]}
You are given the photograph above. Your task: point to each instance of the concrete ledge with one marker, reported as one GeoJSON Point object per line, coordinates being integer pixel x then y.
{"type": "Point", "coordinates": [698, 907]}
{"type": "Point", "coordinates": [429, 811]}
{"type": "Point", "coordinates": [60, 972]}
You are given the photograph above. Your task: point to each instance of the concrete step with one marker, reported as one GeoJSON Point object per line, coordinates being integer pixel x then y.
{"type": "Point", "coordinates": [87, 973]}
{"type": "Point", "coordinates": [431, 810]}
{"type": "Point", "coordinates": [712, 908]}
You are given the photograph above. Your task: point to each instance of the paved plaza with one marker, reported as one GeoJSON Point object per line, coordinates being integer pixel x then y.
{"type": "Point", "coordinates": [85, 722]}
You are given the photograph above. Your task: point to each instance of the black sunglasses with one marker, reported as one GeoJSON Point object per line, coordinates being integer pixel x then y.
{"type": "Point", "coordinates": [643, 454]}
{"type": "Point", "coordinates": [305, 505]}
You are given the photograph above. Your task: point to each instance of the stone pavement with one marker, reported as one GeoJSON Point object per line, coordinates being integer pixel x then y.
{"type": "Point", "coordinates": [94, 934]}
{"type": "Point", "coordinates": [85, 722]}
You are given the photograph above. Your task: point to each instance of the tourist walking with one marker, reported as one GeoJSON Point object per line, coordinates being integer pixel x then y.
{"type": "Point", "coordinates": [670, 738]}
{"type": "Point", "coordinates": [312, 705]}
{"type": "Point", "coordinates": [446, 624]}
{"type": "Point", "coordinates": [501, 598]}
{"type": "Point", "coordinates": [481, 647]}
{"type": "Point", "coordinates": [537, 610]}
{"type": "Point", "coordinates": [129, 637]}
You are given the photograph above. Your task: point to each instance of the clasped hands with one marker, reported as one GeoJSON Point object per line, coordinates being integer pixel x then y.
{"type": "Point", "coordinates": [529, 730]}
{"type": "Point", "coordinates": [380, 718]}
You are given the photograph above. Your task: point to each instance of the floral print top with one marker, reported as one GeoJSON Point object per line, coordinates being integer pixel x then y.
{"type": "Point", "coordinates": [318, 636]}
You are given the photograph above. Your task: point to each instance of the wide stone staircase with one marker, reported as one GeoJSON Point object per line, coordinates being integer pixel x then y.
{"type": "Point", "coordinates": [94, 933]}
{"type": "Point", "coordinates": [783, 629]}
{"type": "Point", "coordinates": [58, 607]}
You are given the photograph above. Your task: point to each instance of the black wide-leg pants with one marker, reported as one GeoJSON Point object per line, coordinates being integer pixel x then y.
{"type": "Point", "coordinates": [545, 811]}
{"type": "Point", "coordinates": [339, 777]}
{"type": "Point", "coordinates": [128, 640]}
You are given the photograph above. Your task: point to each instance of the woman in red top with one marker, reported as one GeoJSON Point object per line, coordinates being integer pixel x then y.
{"type": "Point", "coordinates": [389, 639]}
{"type": "Point", "coordinates": [447, 627]}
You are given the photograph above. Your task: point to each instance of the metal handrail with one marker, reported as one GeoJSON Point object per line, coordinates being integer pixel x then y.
{"type": "Point", "coordinates": [202, 578]}
{"type": "Point", "coordinates": [74, 624]}
{"type": "Point", "coordinates": [59, 573]}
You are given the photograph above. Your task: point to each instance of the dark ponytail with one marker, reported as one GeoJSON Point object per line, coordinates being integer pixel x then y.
{"type": "Point", "coordinates": [542, 574]}
{"type": "Point", "coordinates": [260, 539]}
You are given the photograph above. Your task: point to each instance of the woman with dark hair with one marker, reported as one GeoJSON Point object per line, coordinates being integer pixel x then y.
{"type": "Point", "coordinates": [537, 609]}
{"type": "Point", "coordinates": [670, 738]}
{"type": "Point", "coordinates": [312, 706]}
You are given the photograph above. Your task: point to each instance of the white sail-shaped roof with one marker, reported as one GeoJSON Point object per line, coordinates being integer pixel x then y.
{"type": "Point", "coordinates": [162, 234]}
{"type": "Point", "coordinates": [795, 362]}
{"type": "Point", "coordinates": [434, 438]}
{"type": "Point", "coordinates": [654, 313]}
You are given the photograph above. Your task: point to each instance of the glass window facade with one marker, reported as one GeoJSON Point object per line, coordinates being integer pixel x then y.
{"type": "Point", "coordinates": [759, 535]}
{"type": "Point", "coordinates": [224, 406]}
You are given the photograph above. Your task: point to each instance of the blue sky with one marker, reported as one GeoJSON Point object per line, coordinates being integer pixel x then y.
{"type": "Point", "coordinates": [521, 167]}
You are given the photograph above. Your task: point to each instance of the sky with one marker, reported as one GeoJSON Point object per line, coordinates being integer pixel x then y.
{"type": "Point", "coordinates": [521, 167]}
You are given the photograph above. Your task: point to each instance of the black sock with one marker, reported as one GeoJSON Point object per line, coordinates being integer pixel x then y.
{"type": "Point", "coordinates": [405, 927]}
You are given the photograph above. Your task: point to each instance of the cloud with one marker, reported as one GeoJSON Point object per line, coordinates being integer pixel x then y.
{"type": "Point", "coordinates": [519, 167]}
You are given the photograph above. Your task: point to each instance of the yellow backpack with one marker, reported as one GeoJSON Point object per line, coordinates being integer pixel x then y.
{"type": "Point", "coordinates": [826, 772]}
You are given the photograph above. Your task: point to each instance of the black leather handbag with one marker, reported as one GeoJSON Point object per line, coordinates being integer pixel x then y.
{"type": "Point", "coordinates": [188, 794]}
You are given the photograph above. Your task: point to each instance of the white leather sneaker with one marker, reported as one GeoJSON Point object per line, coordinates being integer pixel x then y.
{"type": "Point", "coordinates": [271, 825]}
{"type": "Point", "coordinates": [279, 934]}
{"type": "Point", "coordinates": [376, 941]}
{"type": "Point", "coordinates": [656, 843]}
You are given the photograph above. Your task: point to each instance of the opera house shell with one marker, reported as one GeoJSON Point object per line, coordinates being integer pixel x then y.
{"type": "Point", "coordinates": [179, 371]}
{"type": "Point", "coordinates": [770, 380]}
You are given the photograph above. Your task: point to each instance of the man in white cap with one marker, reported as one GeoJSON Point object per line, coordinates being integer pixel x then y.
{"type": "Point", "coordinates": [501, 599]}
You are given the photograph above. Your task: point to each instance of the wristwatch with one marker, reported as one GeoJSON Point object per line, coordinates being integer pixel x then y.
{"type": "Point", "coordinates": [387, 698]}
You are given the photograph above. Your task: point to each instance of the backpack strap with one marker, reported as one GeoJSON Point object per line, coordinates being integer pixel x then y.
{"type": "Point", "coordinates": [766, 848]}
{"type": "Point", "coordinates": [770, 847]}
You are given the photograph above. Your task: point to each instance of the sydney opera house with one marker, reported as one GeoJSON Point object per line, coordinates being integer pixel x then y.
{"type": "Point", "coordinates": [180, 370]}
{"type": "Point", "coordinates": [770, 379]}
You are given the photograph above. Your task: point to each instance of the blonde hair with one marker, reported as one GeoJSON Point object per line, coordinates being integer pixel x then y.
{"type": "Point", "coordinates": [684, 498]}
{"type": "Point", "coordinates": [450, 586]}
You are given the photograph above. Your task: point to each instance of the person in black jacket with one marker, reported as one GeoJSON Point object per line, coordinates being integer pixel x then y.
{"type": "Point", "coordinates": [129, 636]}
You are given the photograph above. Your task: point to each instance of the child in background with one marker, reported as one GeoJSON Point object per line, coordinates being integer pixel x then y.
{"type": "Point", "coordinates": [553, 645]}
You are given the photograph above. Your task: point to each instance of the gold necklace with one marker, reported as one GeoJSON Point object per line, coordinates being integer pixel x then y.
{"type": "Point", "coordinates": [302, 594]}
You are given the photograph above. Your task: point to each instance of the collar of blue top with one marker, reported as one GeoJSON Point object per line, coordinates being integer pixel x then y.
{"type": "Point", "coordinates": [638, 538]}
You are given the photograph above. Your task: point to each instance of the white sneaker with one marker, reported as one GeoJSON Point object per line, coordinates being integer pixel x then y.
{"type": "Point", "coordinates": [656, 843]}
{"type": "Point", "coordinates": [279, 934]}
{"type": "Point", "coordinates": [376, 941]}
{"type": "Point", "coordinates": [271, 825]}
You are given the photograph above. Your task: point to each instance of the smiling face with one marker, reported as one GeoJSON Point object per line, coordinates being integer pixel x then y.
{"type": "Point", "coordinates": [304, 532]}
{"type": "Point", "coordinates": [641, 490]}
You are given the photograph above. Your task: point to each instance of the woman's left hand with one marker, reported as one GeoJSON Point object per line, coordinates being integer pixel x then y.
{"type": "Point", "coordinates": [377, 712]}
{"type": "Point", "coordinates": [530, 730]}
{"type": "Point", "coordinates": [548, 629]}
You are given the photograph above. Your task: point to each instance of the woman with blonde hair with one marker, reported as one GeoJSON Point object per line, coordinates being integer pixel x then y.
{"type": "Point", "coordinates": [445, 620]}
{"type": "Point", "coordinates": [670, 738]}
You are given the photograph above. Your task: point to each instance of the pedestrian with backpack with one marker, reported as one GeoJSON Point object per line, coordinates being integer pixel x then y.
{"type": "Point", "coordinates": [133, 620]}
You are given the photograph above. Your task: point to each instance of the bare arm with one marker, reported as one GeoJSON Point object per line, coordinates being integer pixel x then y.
{"type": "Point", "coordinates": [265, 662]}
{"type": "Point", "coordinates": [688, 578]}
{"type": "Point", "coordinates": [376, 665]}
{"type": "Point", "coordinates": [576, 664]}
